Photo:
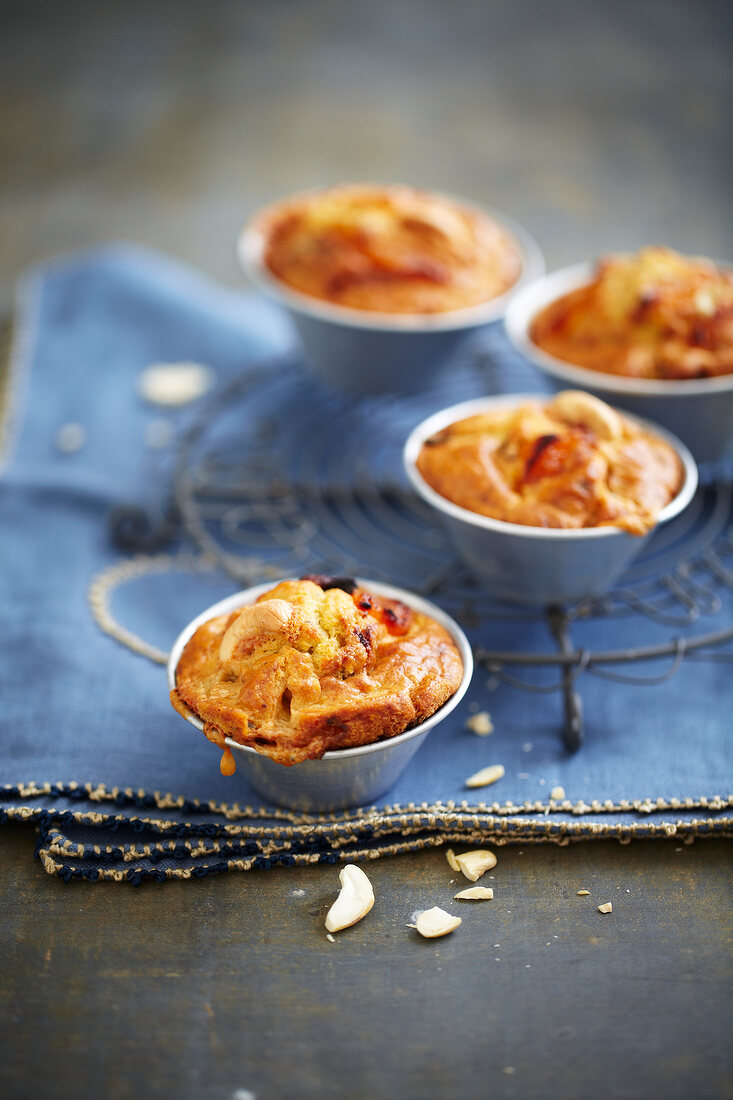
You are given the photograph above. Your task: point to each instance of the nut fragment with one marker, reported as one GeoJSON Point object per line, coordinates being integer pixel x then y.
{"type": "Point", "coordinates": [474, 864]}
{"type": "Point", "coordinates": [486, 776]}
{"type": "Point", "coordinates": [577, 407]}
{"type": "Point", "coordinates": [354, 901]}
{"type": "Point", "coordinates": [480, 723]}
{"type": "Point", "coordinates": [174, 383]}
{"type": "Point", "coordinates": [606, 907]}
{"type": "Point", "coordinates": [557, 792]}
{"type": "Point", "coordinates": [435, 922]}
{"type": "Point", "coordinates": [70, 438]}
{"type": "Point", "coordinates": [268, 617]}
{"type": "Point", "coordinates": [450, 855]}
{"type": "Point", "coordinates": [475, 893]}
{"type": "Point", "coordinates": [583, 893]}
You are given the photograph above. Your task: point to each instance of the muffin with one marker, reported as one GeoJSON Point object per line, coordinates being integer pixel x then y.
{"type": "Point", "coordinates": [656, 315]}
{"type": "Point", "coordinates": [315, 665]}
{"type": "Point", "coordinates": [570, 462]}
{"type": "Point", "coordinates": [391, 249]}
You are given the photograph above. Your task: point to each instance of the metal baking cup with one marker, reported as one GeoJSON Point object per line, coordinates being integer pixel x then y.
{"type": "Point", "coordinates": [545, 565]}
{"type": "Point", "coordinates": [345, 777]}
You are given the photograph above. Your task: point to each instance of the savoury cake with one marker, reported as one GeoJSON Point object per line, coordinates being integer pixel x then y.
{"type": "Point", "coordinates": [391, 249]}
{"type": "Point", "coordinates": [656, 314]}
{"type": "Point", "coordinates": [315, 665]}
{"type": "Point", "coordinates": [569, 462]}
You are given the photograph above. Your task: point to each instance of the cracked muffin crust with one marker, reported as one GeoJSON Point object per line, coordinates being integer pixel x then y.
{"type": "Point", "coordinates": [314, 665]}
{"type": "Point", "coordinates": [571, 462]}
{"type": "Point", "coordinates": [655, 315]}
{"type": "Point", "coordinates": [392, 249]}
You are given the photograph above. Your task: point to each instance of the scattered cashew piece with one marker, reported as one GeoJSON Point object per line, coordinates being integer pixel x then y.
{"type": "Point", "coordinates": [475, 893]}
{"type": "Point", "coordinates": [486, 776]}
{"type": "Point", "coordinates": [354, 901]}
{"type": "Point", "coordinates": [171, 384]}
{"type": "Point", "coordinates": [450, 855]}
{"type": "Point", "coordinates": [557, 792]}
{"type": "Point", "coordinates": [583, 893]}
{"type": "Point", "coordinates": [480, 723]}
{"type": "Point", "coordinates": [606, 907]}
{"type": "Point", "coordinates": [474, 864]}
{"type": "Point", "coordinates": [435, 922]}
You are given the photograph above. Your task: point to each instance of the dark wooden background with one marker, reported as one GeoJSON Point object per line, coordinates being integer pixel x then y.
{"type": "Point", "coordinates": [598, 126]}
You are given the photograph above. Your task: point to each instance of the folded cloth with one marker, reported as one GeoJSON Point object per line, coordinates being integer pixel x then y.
{"type": "Point", "coordinates": [90, 741]}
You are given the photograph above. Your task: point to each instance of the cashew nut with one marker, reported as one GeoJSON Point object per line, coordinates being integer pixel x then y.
{"type": "Point", "coordinates": [450, 855]}
{"type": "Point", "coordinates": [475, 864]}
{"type": "Point", "coordinates": [435, 922]}
{"type": "Point", "coordinates": [268, 617]}
{"type": "Point", "coordinates": [480, 723]}
{"type": "Point", "coordinates": [577, 407]}
{"type": "Point", "coordinates": [354, 901]}
{"type": "Point", "coordinates": [486, 776]}
{"type": "Point", "coordinates": [475, 893]}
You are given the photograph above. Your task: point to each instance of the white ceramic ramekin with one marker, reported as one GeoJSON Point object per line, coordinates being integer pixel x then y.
{"type": "Point", "coordinates": [699, 411]}
{"type": "Point", "coordinates": [346, 777]}
{"type": "Point", "coordinates": [373, 352]}
{"type": "Point", "coordinates": [540, 565]}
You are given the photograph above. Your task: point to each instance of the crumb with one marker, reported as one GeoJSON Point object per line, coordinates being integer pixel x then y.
{"type": "Point", "coordinates": [509, 1070]}
{"type": "Point", "coordinates": [541, 782]}
{"type": "Point", "coordinates": [480, 723]}
{"type": "Point", "coordinates": [330, 938]}
{"type": "Point", "coordinates": [606, 907]}
{"type": "Point", "coordinates": [527, 746]}
{"type": "Point", "coordinates": [70, 438]}
{"type": "Point", "coordinates": [583, 893]}
{"type": "Point", "coordinates": [557, 792]}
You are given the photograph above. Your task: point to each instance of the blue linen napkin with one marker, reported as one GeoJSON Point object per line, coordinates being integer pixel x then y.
{"type": "Point", "coordinates": [90, 743]}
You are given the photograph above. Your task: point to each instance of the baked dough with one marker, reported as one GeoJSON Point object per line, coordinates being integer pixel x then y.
{"type": "Point", "coordinates": [391, 249]}
{"type": "Point", "coordinates": [571, 462]}
{"type": "Point", "coordinates": [653, 315]}
{"type": "Point", "coordinates": [315, 665]}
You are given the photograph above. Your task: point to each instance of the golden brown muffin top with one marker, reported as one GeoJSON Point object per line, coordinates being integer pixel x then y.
{"type": "Point", "coordinates": [570, 462]}
{"type": "Point", "coordinates": [389, 249]}
{"type": "Point", "coordinates": [652, 315]}
{"type": "Point", "coordinates": [315, 665]}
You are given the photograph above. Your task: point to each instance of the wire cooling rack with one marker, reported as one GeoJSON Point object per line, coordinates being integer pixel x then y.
{"type": "Point", "coordinates": [279, 475]}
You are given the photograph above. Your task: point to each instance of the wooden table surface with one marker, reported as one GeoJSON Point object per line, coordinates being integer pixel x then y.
{"type": "Point", "coordinates": [227, 986]}
{"type": "Point", "coordinates": [598, 127]}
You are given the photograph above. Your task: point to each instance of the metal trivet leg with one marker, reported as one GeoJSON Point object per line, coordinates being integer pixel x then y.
{"type": "Point", "coordinates": [559, 625]}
